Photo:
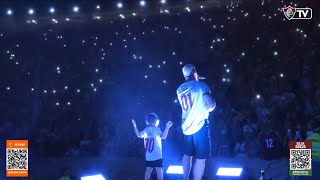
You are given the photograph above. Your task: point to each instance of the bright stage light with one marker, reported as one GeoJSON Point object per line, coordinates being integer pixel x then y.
{"type": "Point", "coordinates": [222, 171]}
{"type": "Point", "coordinates": [175, 170]}
{"type": "Point", "coordinates": [76, 9]}
{"type": "Point", "coordinates": [163, 1]}
{"type": "Point", "coordinates": [98, 7]}
{"type": "Point", "coordinates": [94, 177]}
{"type": "Point", "coordinates": [9, 12]}
{"type": "Point", "coordinates": [51, 10]}
{"type": "Point", "coordinates": [31, 11]}
{"type": "Point", "coordinates": [142, 3]}
{"type": "Point", "coordinates": [120, 5]}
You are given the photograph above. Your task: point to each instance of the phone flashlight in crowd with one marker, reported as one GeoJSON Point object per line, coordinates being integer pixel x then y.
{"type": "Point", "coordinates": [258, 96]}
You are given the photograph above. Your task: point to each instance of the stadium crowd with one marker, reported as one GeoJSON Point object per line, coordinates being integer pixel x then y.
{"type": "Point", "coordinates": [272, 91]}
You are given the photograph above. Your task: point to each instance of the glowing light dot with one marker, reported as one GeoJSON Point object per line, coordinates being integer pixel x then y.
{"type": "Point", "coordinates": [9, 12]}
{"type": "Point", "coordinates": [159, 66]}
{"type": "Point", "coordinates": [275, 41]}
{"type": "Point", "coordinates": [54, 91]}
{"type": "Point", "coordinates": [173, 53]}
{"type": "Point", "coordinates": [31, 11]}
{"type": "Point", "coordinates": [57, 104]}
{"type": "Point", "coordinates": [224, 79]}
{"type": "Point", "coordinates": [228, 70]}
{"type": "Point", "coordinates": [175, 101]}
{"type": "Point", "coordinates": [45, 91]}
{"type": "Point", "coordinates": [281, 75]}
{"type": "Point", "coordinates": [150, 66]}
{"type": "Point", "coordinates": [119, 5]}
{"type": "Point", "coordinates": [69, 103]}
{"type": "Point", "coordinates": [51, 10]}
{"type": "Point", "coordinates": [275, 53]}
{"type": "Point", "coordinates": [100, 80]}
{"type": "Point", "coordinates": [66, 87]}
{"type": "Point", "coordinates": [32, 89]}
{"type": "Point", "coordinates": [163, 62]}
{"type": "Point", "coordinates": [78, 90]}
{"type": "Point", "coordinates": [142, 3]}
{"type": "Point", "coordinates": [8, 88]}
{"type": "Point", "coordinates": [258, 38]}
{"type": "Point", "coordinates": [180, 63]}
{"type": "Point", "coordinates": [97, 70]}
{"type": "Point", "coordinates": [258, 96]}
{"type": "Point", "coordinates": [243, 54]}
{"type": "Point", "coordinates": [98, 7]}
{"type": "Point", "coordinates": [145, 76]}
{"type": "Point", "coordinates": [164, 81]}
{"type": "Point", "coordinates": [95, 89]}
{"type": "Point", "coordinates": [75, 9]}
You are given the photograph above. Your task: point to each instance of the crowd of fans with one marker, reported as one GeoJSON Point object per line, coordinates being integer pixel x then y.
{"type": "Point", "coordinates": [268, 96]}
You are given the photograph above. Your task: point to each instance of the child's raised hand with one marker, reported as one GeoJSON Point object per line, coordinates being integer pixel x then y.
{"type": "Point", "coordinates": [134, 123]}
{"type": "Point", "coordinates": [169, 124]}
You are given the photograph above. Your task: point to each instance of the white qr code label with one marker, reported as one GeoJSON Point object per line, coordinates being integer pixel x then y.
{"type": "Point", "coordinates": [17, 158]}
{"type": "Point", "coordinates": [300, 158]}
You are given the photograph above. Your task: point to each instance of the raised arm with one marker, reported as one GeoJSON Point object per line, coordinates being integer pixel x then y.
{"type": "Point", "coordinates": [166, 131]}
{"type": "Point", "coordinates": [135, 128]}
{"type": "Point", "coordinates": [210, 102]}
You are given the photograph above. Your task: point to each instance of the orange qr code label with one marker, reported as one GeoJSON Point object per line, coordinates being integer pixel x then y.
{"type": "Point", "coordinates": [17, 158]}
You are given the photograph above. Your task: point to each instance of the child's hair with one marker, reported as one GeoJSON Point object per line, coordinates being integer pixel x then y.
{"type": "Point", "coordinates": [151, 119]}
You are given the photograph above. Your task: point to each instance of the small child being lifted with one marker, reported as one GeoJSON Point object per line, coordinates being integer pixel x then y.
{"type": "Point", "coordinates": [152, 136]}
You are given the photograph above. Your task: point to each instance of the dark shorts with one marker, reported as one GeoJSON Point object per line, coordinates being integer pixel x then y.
{"type": "Point", "coordinates": [156, 163]}
{"type": "Point", "coordinates": [198, 145]}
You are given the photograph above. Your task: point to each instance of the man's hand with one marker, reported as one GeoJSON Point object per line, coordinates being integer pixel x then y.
{"type": "Point", "coordinates": [134, 123]}
{"type": "Point", "coordinates": [210, 103]}
{"type": "Point", "coordinates": [169, 124]}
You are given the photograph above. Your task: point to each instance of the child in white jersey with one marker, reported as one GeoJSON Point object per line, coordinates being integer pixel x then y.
{"type": "Point", "coordinates": [152, 136]}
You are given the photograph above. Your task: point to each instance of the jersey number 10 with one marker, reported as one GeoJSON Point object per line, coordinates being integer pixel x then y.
{"type": "Point", "coordinates": [186, 101]}
{"type": "Point", "coordinates": [149, 146]}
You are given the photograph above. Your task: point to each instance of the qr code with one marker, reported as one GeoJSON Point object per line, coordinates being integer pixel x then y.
{"type": "Point", "coordinates": [300, 159]}
{"type": "Point", "coordinates": [17, 159]}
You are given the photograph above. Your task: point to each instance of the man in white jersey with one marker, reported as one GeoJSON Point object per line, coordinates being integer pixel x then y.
{"type": "Point", "coordinates": [152, 136]}
{"type": "Point", "coordinates": [196, 102]}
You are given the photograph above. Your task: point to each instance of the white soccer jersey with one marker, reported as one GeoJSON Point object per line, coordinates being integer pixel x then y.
{"type": "Point", "coordinates": [194, 110]}
{"type": "Point", "coordinates": [152, 142]}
